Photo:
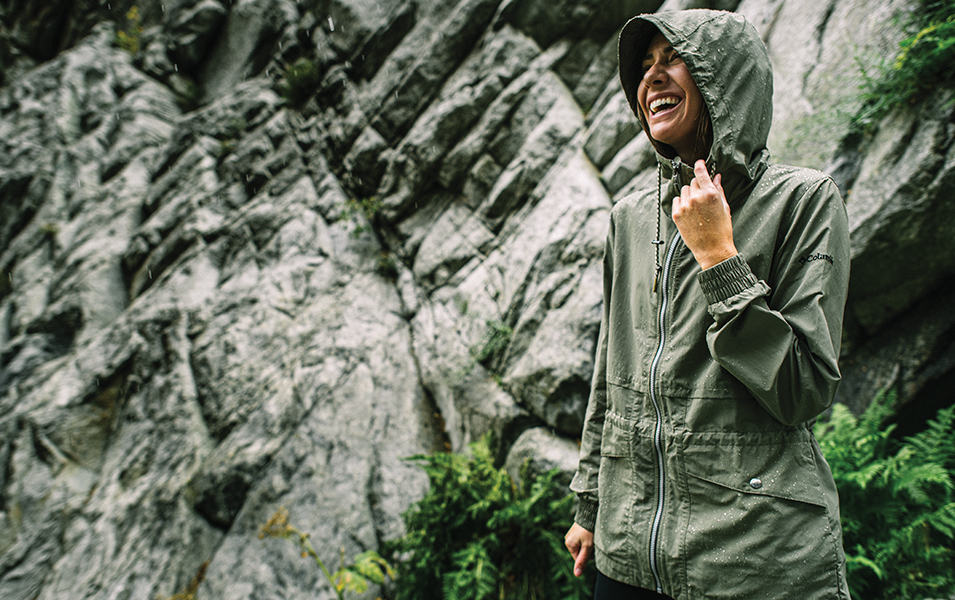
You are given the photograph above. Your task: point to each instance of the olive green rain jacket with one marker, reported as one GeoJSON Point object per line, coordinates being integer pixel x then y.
{"type": "Point", "coordinates": [698, 471]}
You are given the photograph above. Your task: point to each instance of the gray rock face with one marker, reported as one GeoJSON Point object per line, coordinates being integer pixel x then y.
{"type": "Point", "coordinates": [215, 301]}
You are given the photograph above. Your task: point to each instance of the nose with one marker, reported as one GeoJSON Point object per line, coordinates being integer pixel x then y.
{"type": "Point", "coordinates": [655, 75]}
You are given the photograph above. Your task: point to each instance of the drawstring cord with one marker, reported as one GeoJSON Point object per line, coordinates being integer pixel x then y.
{"type": "Point", "coordinates": [658, 242]}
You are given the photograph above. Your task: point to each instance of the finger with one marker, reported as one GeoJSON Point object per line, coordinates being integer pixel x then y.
{"type": "Point", "coordinates": [581, 561]}
{"type": "Point", "coordinates": [718, 182]}
{"type": "Point", "coordinates": [699, 169]}
{"type": "Point", "coordinates": [573, 546]}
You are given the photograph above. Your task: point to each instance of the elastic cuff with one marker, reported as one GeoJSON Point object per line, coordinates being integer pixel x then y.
{"type": "Point", "coordinates": [586, 515]}
{"type": "Point", "coordinates": [726, 279]}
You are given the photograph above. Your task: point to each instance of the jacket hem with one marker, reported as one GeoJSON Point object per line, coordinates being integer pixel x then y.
{"type": "Point", "coordinates": [619, 570]}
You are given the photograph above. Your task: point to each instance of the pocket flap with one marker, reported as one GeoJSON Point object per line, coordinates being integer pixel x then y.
{"type": "Point", "coordinates": [616, 436]}
{"type": "Point", "coordinates": [778, 464]}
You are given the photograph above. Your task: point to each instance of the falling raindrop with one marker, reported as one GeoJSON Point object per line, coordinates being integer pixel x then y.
{"type": "Point", "coordinates": [109, 6]}
{"type": "Point", "coordinates": [150, 272]}
{"type": "Point", "coordinates": [176, 66]}
{"type": "Point", "coordinates": [331, 24]}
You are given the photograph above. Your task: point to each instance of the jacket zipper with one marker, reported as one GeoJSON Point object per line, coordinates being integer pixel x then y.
{"type": "Point", "coordinates": [658, 430]}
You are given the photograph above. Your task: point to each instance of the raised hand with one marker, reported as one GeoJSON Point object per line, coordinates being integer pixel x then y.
{"type": "Point", "coordinates": [702, 215]}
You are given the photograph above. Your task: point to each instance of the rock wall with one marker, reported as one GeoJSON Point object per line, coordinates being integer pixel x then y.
{"type": "Point", "coordinates": [232, 279]}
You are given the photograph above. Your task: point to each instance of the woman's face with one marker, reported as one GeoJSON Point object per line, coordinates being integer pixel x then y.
{"type": "Point", "coordinates": [669, 98]}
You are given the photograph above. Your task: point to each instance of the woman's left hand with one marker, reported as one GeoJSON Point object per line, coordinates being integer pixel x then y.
{"type": "Point", "coordinates": [702, 215]}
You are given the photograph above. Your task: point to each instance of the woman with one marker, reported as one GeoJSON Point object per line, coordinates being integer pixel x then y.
{"type": "Point", "coordinates": [699, 476]}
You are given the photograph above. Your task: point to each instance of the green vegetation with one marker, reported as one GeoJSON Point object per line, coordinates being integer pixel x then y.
{"type": "Point", "coordinates": [300, 81]}
{"type": "Point", "coordinates": [923, 63]}
{"type": "Point", "coordinates": [367, 568]}
{"type": "Point", "coordinates": [496, 339]}
{"type": "Point", "coordinates": [897, 501]}
{"type": "Point", "coordinates": [128, 38]}
{"type": "Point", "coordinates": [367, 207]}
{"type": "Point", "coordinates": [387, 265]}
{"type": "Point", "coordinates": [479, 535]}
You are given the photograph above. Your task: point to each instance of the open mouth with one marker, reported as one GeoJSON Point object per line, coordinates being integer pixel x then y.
{"type": "Point", "coordinates": [664, 104]}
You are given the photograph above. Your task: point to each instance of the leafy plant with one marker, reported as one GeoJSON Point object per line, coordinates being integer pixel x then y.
{"type": "Point", "coordinates": [479, 535]}
{"type": "Point", "coordinates": [896, 499]}
{"type": "Point", "coordinates": [367, 207]}
{"type": "Point", "coordinates": [368, 567]}
{"type": "Point", "coordinates": [300, 81]}
{"type": "Point", "coordinates": [923, 63]}
{"type": "Point", "coordinates": [496, 339]}
{"type": "Point", "coordinates": [128, 39]}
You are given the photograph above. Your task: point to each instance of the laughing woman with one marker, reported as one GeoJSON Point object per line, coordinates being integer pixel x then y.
{"type": "Point", "coordinates": [724, 291]}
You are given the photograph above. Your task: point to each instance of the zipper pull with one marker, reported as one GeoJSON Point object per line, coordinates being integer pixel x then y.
{"type": "Point", "coordinates": [675, 166]}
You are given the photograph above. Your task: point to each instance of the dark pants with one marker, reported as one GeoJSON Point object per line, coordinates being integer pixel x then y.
{"type": "Point", "coordinates": [610, 589]}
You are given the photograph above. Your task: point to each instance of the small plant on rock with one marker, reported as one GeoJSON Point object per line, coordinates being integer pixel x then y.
{"type": "Point", "coordinates": [368, 567]}
{"type": "Point", "coordinates": [128, 38]}
{"type": "Point", "coordinates": [496, 339]}
{"type": "Point", "coordinates": [923, 63]}
{"type": "Point", "coordinates": [355, 208]}
{"type": "Point", "coordinates": [300, 81]}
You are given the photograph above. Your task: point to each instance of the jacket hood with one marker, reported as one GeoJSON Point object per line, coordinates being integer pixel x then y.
{"type": "Point", "coordinates": [730, 65]}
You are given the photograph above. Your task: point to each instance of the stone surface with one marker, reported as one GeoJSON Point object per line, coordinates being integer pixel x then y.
{"type": "Point", "coordinates": [215, 303]}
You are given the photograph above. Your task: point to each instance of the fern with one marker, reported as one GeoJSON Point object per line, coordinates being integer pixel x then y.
{"type": "Point", "coordinates": [479, 535]}
{"type": "Point", "coordinates": [897, 501]}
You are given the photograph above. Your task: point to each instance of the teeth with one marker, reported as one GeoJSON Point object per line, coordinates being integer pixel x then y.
{"type": "Point", "coordinates": [668, 101]}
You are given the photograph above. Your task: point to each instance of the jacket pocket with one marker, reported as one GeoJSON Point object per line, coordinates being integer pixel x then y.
{"type": "Point", "coordinates": [757, 522]}
{"type": "Point", "coordinates": [615, 489]}
{"type": "Point", "coordinates": [616, 435]}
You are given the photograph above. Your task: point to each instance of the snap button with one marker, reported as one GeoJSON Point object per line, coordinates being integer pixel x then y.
{"type": "Point", "coordinates": [755, 483]}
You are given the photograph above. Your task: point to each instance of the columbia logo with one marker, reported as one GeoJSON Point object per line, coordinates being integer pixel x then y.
{"type": "Point", "coordinates": [811, 257]}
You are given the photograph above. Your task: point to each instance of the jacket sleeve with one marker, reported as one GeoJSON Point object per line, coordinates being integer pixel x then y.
{"type": "Point", "coordinates": [781, 339]}
{"type": "Point", "coordinates": [584, 483]}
